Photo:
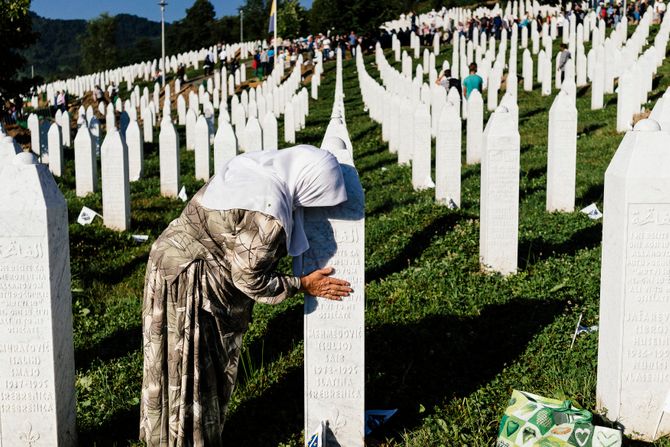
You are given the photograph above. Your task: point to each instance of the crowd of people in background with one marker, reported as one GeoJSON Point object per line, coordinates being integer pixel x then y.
{"type": "Point", "coordinates": [11, 111]}
{"type": "Point", "coordinates": [288, 51]}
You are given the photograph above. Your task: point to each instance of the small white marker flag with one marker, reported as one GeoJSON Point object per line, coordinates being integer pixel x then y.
{"type": "Point", "coordinates": [592, 211]}
{"type": "Point", "coordinates": [182, 194]}
{"type": "Point", "coordinates": [86, 216]}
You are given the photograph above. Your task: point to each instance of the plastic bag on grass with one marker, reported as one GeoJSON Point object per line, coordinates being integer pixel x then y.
{"type": "Point", "coordinates": [535, 421]}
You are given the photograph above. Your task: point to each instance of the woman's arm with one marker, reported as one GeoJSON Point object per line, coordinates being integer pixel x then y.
{"type": "Point", "coordinates": [256, 250]}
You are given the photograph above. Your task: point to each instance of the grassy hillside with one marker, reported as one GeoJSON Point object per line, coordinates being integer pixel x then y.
{"type": "Point", "coordinates": [445, 344]}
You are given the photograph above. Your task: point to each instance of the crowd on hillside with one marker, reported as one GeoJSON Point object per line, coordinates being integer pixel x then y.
{"type": "Point", "coordinates": [610, 11]}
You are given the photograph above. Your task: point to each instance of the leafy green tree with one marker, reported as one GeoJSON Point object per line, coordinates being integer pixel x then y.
{"type": "Point", "coordinates": [361, 17]}
{"type": "Point", "coordinates": [98, 45]}
{"type": "Point", "coordinates": [291, 19]}
{"type": "Point", "coordinates": [256, 19]}
{"type": "Point", "coordinates": [227, 29]}
{"type": "Point", "coordinates": [15, 35]}
{"type": "Point", "coordinates": [197, 29]}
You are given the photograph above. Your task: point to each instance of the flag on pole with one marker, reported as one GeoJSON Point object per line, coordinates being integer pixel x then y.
{"type": "Point", "coordinates": [273, 17]}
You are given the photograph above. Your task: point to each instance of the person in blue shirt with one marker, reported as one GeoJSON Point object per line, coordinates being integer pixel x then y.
{"type": "Point", "coordinates": [472, 82]}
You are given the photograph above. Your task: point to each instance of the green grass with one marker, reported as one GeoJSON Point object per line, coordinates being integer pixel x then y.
{"type": "Point", "coordinates": [445, 344]}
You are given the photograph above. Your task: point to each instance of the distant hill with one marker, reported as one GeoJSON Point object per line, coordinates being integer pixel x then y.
{"type": "Point", "coordinates": [57, 54]}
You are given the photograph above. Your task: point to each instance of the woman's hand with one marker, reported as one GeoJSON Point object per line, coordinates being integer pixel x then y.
{"type": "Point", "coordinates": [318, 283]}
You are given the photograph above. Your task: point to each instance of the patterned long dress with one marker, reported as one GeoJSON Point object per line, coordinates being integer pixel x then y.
{"type": "Point", "coordinates": [204, 274]}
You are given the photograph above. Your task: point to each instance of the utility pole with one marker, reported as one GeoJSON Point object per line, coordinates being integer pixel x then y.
{"type": "Point", "coordinates": [163, 4]}
{"type": "Point", "coordinates": [241, 25]}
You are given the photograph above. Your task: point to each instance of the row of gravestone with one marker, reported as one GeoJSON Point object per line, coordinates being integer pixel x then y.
{"type": "Point", "coordinates": [122, 152]}
{"type": "Point", "coordinates": [145, 71]}
{"type": "Point", "coordinates": [36, 354]}
{"type": "Point", "coordinates": [609, 58]}
{"type": "Point", "coordinates": [633, 380]}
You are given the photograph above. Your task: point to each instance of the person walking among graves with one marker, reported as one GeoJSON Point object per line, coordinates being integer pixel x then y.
{"type": "Point", "coordinates": [98, 94]}
{"type": "Point", "coordinates": [209, 63]}
{"type": "Point", "coordinates": [265, 71]}
{"type": "Point", "coordinates": [563, 59]}
{"type": "Point", "coordinates": [446, 81]}
{"type": "Point", "coordinates": [472, 82]}
{"type": "Point", "coordinates": [353, 41]}
{"type": "Point", "coordinates": [206, 272]}
{"type": "Point", "coordinates": [256, 65]}
{"type": "Point", "coordinates": [60, 101]}
{"type": "Point", "coordinates": [271, 58]}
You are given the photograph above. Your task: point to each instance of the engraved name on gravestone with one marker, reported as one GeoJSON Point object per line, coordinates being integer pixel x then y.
{"type": "Point", "coordinates": [37, 396]}
{"type": "Point", "coordinates": [335, 330]}
{"type": "Point", "coordinates": [634, 338]}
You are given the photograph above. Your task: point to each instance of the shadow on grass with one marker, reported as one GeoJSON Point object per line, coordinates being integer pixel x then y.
{"type": "Point", "coordinates": [116, 345]}
{"type": "Point", "coordinates": [424, 362]}
{"type": "Point", "coordinates": [441, 357]}
{"type": "Point", "coordinates": [592, 127]}
{"type": "Point", "coordinates": [415, 246]}
{"type": "Point", "coordinates": [120, 430]}
{"type": "Point", "coordinates": [383, 160]}
{"type": "Point", "coordinates": [592, 195]}
{"type": "Point", "coordinates": [389, 205]}
{"type": "Point", "coordinates": [532, 112]}
{"type": "Point", "coordinates": [536, 249]}
{"type": "Point", "coordinates": [266, 419]}
{"type": "Point", "coordinates": [284, 331]}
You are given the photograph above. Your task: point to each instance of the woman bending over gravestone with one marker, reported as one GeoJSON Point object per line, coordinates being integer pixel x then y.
{"type": "Point", "coordinates": [205, 273]}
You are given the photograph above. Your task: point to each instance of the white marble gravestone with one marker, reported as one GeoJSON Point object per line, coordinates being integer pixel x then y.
{"type": "Point", "coordinates": [168, 148]}
{"type": "Point", "coordinates": [36, 352]}
{"type": "Point", "coordinates": [202, 137]}
{"type": "Point", "coordinates": [634, 336]}
{"type": "Point", "coordinates": [562, 154]}
{"type": "Point", "coordinates": [191, 119]}
{"type": "Point", "coordinates": [8, 149]}
{"type": "Point", "coordinates": [475, 128]}
{"type": "Point", "coordinates": [85, 162]}
{"type": "Point", "coordinates": [499, 200]}
{"type": "Point", "coordinates": [597, 85]}
{"type": "Point", "coordinates": [253, 136]}
{"type": "Point", "coordinates": [181, 110]}
{"type": "Point", "coordinates": [135, 151]}
{"type": "Point", "coordinates": [115, 186]}
{"type": "Point", "coordinates": [527, 71]}
{"type": "Point", "coordinates": [34, 127]}
{"type": "Point", "coordinates": [270, 137]}
{"type": "Point", "coordinates": [55, 142]}
{"type": "Point", "coordinates": [225, 145]}
{"type": "Point", "coordinates": [65, 129]}
{"type": "Point", "coordinates": [422, 156]}
{"type": "Point", "coordinates": [335, 330]}
{"type": "Point", "coordinates": [148, 125]}
{"type": "Point", "coordinates": [448, 156]}
{"type": "Point", "coordinates": [289, 123]}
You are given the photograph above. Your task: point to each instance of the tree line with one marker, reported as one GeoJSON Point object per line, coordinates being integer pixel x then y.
{"type": "Point", "coordinates": [110, 41]}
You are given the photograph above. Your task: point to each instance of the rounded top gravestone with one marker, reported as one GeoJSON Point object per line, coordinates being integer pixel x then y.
{"type": "Point", "coordinates": [647, 125]}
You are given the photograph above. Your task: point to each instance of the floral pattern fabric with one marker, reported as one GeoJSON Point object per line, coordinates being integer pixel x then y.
{"type": "Point", "coordinates": [204, 274]}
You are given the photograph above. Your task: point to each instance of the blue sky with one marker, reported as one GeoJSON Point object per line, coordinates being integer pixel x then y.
{"type": "Point", "coordinates": [87, 9]}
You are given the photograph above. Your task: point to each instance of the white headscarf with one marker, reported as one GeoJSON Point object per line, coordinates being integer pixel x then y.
{"type": "Point", "coordinates": [279, 183]}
